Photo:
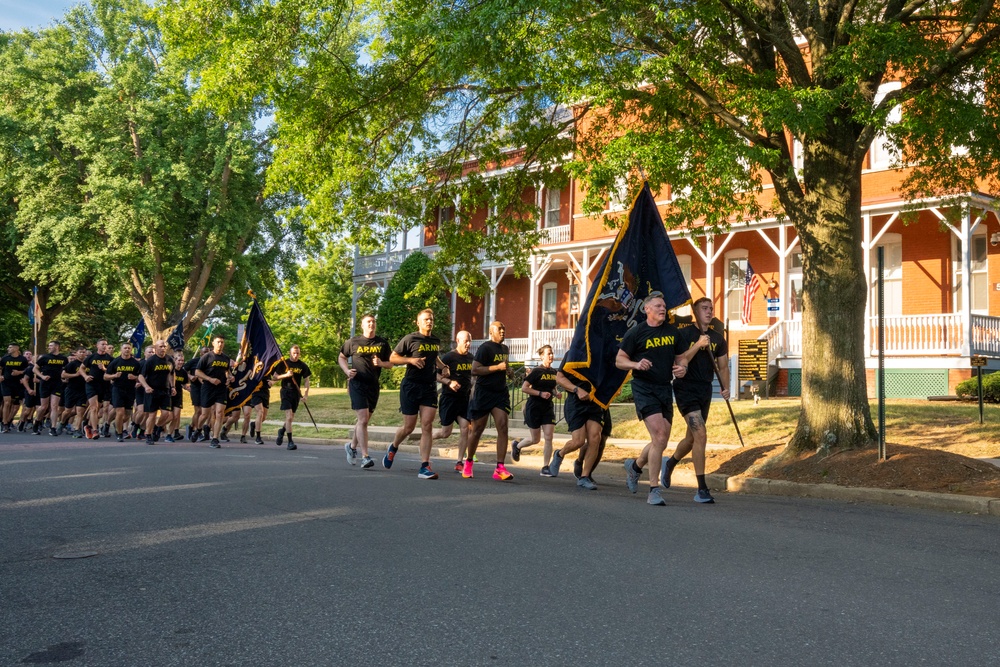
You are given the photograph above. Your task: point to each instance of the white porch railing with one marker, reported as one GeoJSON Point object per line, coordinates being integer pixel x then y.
{"type": "Point", "coordinates": [558, 234]}
{"type": "Point", "coordinates": [519, 347]}
{"type": "Point", "coordinates": [905, 335]}
{"type": "Point", "coordinates": [559, 339]}
{"type": "Point", "coordinates": [386, 261]}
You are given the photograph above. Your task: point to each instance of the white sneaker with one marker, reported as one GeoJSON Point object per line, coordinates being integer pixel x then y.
{"type": "Point", "coordinates": [351, 453]}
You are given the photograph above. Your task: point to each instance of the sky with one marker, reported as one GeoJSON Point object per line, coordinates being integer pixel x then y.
{"type": "Point", "coordinates": [17, 14]}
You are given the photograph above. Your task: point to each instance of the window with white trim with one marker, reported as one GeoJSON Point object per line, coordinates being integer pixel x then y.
{"type": "Point", "coordinates": [550, 297]}
{"type": "Point", "coordinates": [893, 285]}
{"type": "Point", "coordinates": [882, 154]}
{"type": "Point", "coordinates": [736, 274]}
{"type": "Point", "coordinates": [553, 201]}
{"type": "Point", "coordinates": [979, 259]}
{"type": "Point", "coordinates": [795, 285]}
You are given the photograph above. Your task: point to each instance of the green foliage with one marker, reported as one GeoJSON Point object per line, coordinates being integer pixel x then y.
{"type": "Point", "coordinates": [313, 310]}
{"type": "Point", "coordinates": [391, 379]}
{"type": "Point", "coordinates": [991, 388]}
{"type": "Point", "coordinates": [402, 300]}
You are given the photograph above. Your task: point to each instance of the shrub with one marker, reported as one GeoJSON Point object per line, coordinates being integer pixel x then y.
{"type": "Point", "coordinates": [397, 311]}
{"type": "Point", "coordinates": [991, 388]}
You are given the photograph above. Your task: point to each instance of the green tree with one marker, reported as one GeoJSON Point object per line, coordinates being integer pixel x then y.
{"type": "Point", "coordinates": [403, 300]}
{"type": "Point", "coordinates": [314, 311]}
{"type": "Point", "coordinates": [382, 108]}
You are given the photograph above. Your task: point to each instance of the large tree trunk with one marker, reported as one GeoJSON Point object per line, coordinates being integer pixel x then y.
{"type": "Point", "coordinates": [827, 215]}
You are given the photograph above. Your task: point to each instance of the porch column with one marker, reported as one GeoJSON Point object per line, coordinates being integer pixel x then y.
{"type": "Point", "coordinates": [866, 248]}
{"type": "Point", "coordinates": [494, 283]}
{"type": "Point", "coordinates": [538, 271]}
{"type": "Point", "coordinates": [710, 267]}
{"type": "Point", "coordinates": [966, 239]}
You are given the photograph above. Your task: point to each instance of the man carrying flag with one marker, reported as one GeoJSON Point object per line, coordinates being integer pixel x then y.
{"type": "Point", "coordinates": [259, 358]}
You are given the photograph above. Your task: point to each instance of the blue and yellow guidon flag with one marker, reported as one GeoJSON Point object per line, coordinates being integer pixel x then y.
{"type": "Point", "coordinates": [641, 261]}
{"type": "Point", "coordinates": [259, 354]}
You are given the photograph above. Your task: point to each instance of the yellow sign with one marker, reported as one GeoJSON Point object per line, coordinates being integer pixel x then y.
{"type": "Point", "coordinates": [753, 360]}
{"type": "Point", "coordinates": [978, 361]}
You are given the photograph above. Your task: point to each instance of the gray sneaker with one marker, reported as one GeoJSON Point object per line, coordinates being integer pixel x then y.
{"type": "Point", "coordinates": [554, 464]}
{"type": "Point", "coordinates": [704, 496]}
{"type": "Point", "coordinates": [367, 462]}
{"type": "Point", "coordinates": [654, 497]}
{"type": "Point", "coordinates": [351, 453]}
{"type": "Point", "coordinates": [586, 483]}
{"type": "Point", "coordinates": [665, 472]}
{"type": "Point", "coordinates": [631, 476]}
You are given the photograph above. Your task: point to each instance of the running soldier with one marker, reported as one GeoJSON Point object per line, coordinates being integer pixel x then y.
{"type": "Point", "coordinates": [30, 402]}
{"type": "Point", "coordinates": [455, 392]}
{"type": "Point", "coordinates": [213, 371]}
{"type": "Point", "coordinates": [157, 379]}
{"type": "Point", "coordinates": [362, 359]}
{"type": "Point", "coordinates": [419, 351]}
{"type": "Point", "coordinates": [655, 354]}
{"type": "Point", "coordinates": [139, 411]}
{"type": "Point", "coordinates": [586, 422]}
{"type": "Point", "coordinates": [73, 374]}
{"type": "Point", "coordinates": [294, 387]}
{"type": "Point", "coordinates": [539, 411]}
{"type": "Point", "coordinates": [490, 397]}
{"type": "Point", "coordinates": [48, 370]}
{"type": "Point", "coordinates": [181, 380]}
{"type": "Point", "coordinates": [123, 371]}
{"type": "Point", "coordinates": [260, 403]}
{"type": "Point", "coordinates": [13, 366]}
{"type": "Point", "coordinates": [98, 391]}
{"type": "Point", "coordinates": [194, 429]}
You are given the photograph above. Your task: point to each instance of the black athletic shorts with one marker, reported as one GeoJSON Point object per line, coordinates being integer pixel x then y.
{"type": "Point", "coordinates": [195, 392]}
{"type": "Point", "coordinates": [452, 406]}
{"type": "Point", "coordinates": [100, 389]}
{"type": "Point", "coordinates": [261, 398]}
{"type": "Point", "coordinates": [122, 397]}
{"type": "Point", "coordinates": [483, 403]}
{"type": "Point", "coordinates": [158, 399]}
{"type": "Point", "coordinates": [177, 400]}
{"type": "Point", "coordinates": [290, 398]}
{"type": "Point", "coordinates": [538, 412]}
{"type": "Point", "coordinates": [414, 395]}
{"type": "Point", "coordinates": [578, 412]}
{"type": "Point", "coordinates": [140, 397]}
{"type": "Point", "coordinates": [14, 390]}
{"type": "Point", "coordinates": [653, 399]}
{"type": "Point", "coordinates": [213, 394]}
{"type": "Point", "coordinates": [606, 429]}
{"type": "Point", "coordinates": [693, 397]}
{"type": "Point", "coordinates": [364, 395]}
{"type": "Point", "coordinates": [46, 389]}
{"type": "Point", "coordinates": [74, 399]}
{"type": "Point", "coordinates": [29, 400]}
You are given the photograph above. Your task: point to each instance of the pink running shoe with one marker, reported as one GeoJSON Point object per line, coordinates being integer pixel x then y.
{"type": "Point", "coordinates": [501, 473]}
{"type": "Point", "coordinates": [467, 470]}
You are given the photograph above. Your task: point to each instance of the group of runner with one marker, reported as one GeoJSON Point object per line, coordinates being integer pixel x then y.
{"type": "Point", "coordinates": [91, 392]}
{"type": "Point", "coordinates": [664, 361]}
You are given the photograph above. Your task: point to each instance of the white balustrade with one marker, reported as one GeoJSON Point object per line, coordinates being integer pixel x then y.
{"type": "Point", "coordinates": [558, 234]}
{"type": "Point", "coordinates": [559, 339]}
{"type": "Point", "coordinates": [518, 348]}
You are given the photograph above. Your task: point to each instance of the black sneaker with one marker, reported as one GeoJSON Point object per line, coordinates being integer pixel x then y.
{"type": "Point", "coordinates": [243, 440]}
{"type": "Point", "coordinates": [259, 440]}
{"type": "Point", "coordinates": [150, 440]}
{"type": "Point", "coordinates": [178, 436]}
{"type": "Point", "coordinates": [20, 427]}
{"type": "Point", "coordinates": [578, 468]}
{"type": "Point", "coordinates": [545, 472]}
{"type": "Point", "coordinates": [214, 444]}
{"type": "Point", "coordinates": [190, 433]}
{"type": "Point", "coordinates": [515, 451]}
{"type": "Point", "coordinates": [52, 432]}
{"type": "Point", "coordinates": [119, 438]}
{"type": "Point", "coordinates": [224, 436]}
{"type": "Point", "coordinates": [281, 436]}
{"type": "Point", "coordinates": [291, 445]}
{"type": "Point", "coordinates": [253, 429]}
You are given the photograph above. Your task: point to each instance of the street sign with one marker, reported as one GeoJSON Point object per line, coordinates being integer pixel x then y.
{"type": "Point", "coordinates": [773, 301]}
{"type": "Point", "coordinates": [753, 360]}
{"type": "Point", "coordinates": [773, 309]}
{"type": "Point", "coordinates": [978, 361]}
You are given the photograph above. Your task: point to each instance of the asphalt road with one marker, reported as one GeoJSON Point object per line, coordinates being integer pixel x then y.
{"type": "Point", "coordinates": [254, 555]}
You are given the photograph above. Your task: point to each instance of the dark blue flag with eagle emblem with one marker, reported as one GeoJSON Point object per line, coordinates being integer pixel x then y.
{"type": "Point", "coordinates": [259, 354]}
{"type": "Point", "coordinates": [640, 262]}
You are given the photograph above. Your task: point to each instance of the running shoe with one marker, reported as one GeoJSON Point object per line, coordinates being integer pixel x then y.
{"type": "Point", "coordinates": [178, 436]}
{"type": "Point", "coordinates": [190, 433]}
{"type": "Point", "coordinates": [390, 454]}
{"type": "Point", "coordinates": [467, 469]}
{"type": "Point", "coordinates": [351, 453]}
{"type": "Point", "coordinates": [501, 474]}
{"type": "Point", "coordinates": [578, 468]}
{"type": "Point", "coordinates": [119, 438]}
{"type": "Point", "coordinates": [281, 436]}
{"type": "Point", "coordinates": [89, 432]}
{"type": "Point", "coordinates": [545, 472]}
{"type": "Point", "coordinates": [20, 427]}
{"type": "Point", "coordinates": [631, 476]}
{"type": "Point", "coordinates": [515, 451]}
{"type": "Point", "coordinates": [291, 445]}
{"type": "Point", "coordinates": [214, 444]}
{"type": "Point", "coordinates": [77, 435]}
{"type": "Point", "coordinates": [426, 473]}
{"type": "Point", "coordinates": [459, 466]}
{"type": "Point", "coordinates": [704, 496]}
{"type": "Point", "coordinates": [554, 464]}
{"type": "Point", "coordinates": [52, 432]}
{"type": "Point", "coordinates": [243, 439]}
{"type": "Point", "coordinates": [367, 462]}
{"type": "Point", "coordinates": [149, 440]}
{"type": "Point", "coordinates": [169, 438]}
{"type": "Point", "coordinates": [253, 428]}
{"type": "Point", "coordinates": [654, 497]}
{"type": "Point", "coordinates": [666, 470]}
{"type": "Point", "coordinates": [586, 483]}
{"type": "Point", "coordinates": [224, 436]}
{"type": "Point", "coordinates": [259, 440]}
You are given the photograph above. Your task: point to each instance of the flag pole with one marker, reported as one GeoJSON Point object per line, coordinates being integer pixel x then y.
{"type": "Point", "coordinates": [718, 375]}
{"type": "Point", "coordinates": [297, 387]}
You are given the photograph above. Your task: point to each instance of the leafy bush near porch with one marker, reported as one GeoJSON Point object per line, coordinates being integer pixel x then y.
{"type": "Point", "coordinates": [991, 388]}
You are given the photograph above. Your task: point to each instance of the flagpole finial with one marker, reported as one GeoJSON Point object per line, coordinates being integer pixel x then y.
{"type": "Point", "coordinates": [252, 295]}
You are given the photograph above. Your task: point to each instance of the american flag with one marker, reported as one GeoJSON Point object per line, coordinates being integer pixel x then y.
{"type": "Point", "coordinates": [751, 283]}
